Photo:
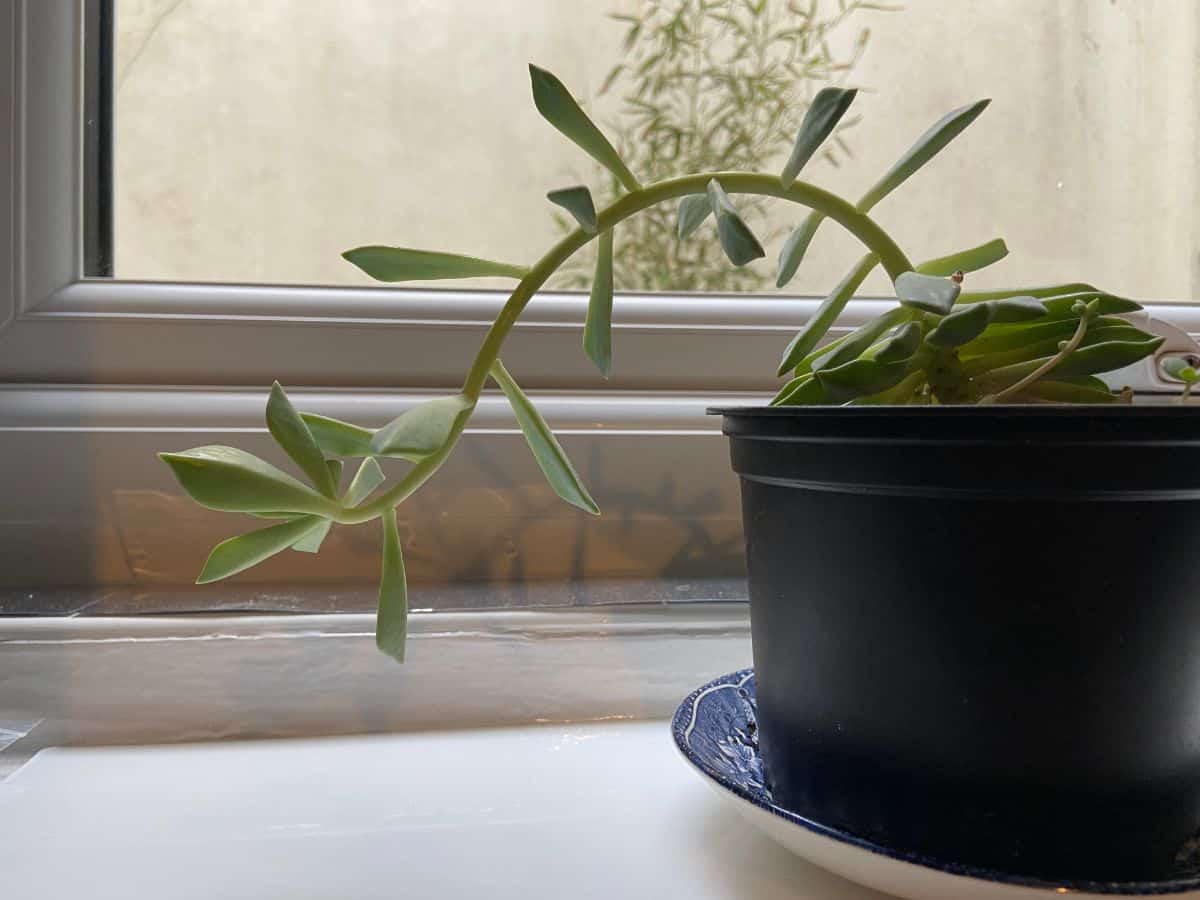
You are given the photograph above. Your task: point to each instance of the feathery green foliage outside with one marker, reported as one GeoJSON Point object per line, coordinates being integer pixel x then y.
{"type": "Point", "coordinates": [711, 86]}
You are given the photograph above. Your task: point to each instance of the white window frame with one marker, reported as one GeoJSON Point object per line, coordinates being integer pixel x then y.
{"type": "Point", "coordinates": [190, 358]}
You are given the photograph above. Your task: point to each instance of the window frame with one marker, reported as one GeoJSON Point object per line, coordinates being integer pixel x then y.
{"type": "Point", "coordinates": [89, 367]}
{"type": "Point", "coordinates": [53, 312]}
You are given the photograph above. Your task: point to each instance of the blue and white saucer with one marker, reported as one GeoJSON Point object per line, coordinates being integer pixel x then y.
{"type": "Point", "coordinates": [714, 729]}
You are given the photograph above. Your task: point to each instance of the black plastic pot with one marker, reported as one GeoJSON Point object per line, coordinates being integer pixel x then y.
{"type": "Point", "coordinates": [977, 629]}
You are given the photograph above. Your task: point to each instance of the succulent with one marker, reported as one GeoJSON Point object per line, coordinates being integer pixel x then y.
{"type": "Point", "coordinates": [939, 344]}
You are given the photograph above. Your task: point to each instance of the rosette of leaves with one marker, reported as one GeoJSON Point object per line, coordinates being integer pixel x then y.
{"type": "Point", "coordinates": [939, 344]}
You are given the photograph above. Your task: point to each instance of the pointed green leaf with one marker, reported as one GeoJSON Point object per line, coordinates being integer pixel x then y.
{"type": "Point", "coordinates": [1015, 309]}
{"type": "Point", "coordinates": [335, 467]}
{"type": "Point", "coordinates": [971, 260]}
{"type": "Point", "coordinates": [597, 329]}
{"type": "Point", "coordinates": [831, 307]}
{"type": "Point", "coordinates": [804, 390]}
{"type": "Point", "coordinates": [1106, 356]}
{"type": "Point", "coordinates": [900, 393]}
{"type": "Point", "coordinates": [1041, 293]}
{"type": "Point", "coordinates": [926, 292]}
{"type": "Point", "coordinates": [693, 210]}
{"type": "Point", "coordinates": [311, 542]}
{"type": "Point", "coordinates": [559, 108]}
{"type": "Point", "coordinates": [927, 146]}
{"type": "Point", "coordinates": [549, 454]}
{"type": "Point", "coordinates": [861, 338]}
{"type": "Point", "coordinates": [1035, 342]}
{"type": "Point", "coordinates": [796, 246]}
{"type": "Point", "coordinates": [338, 438]}
{"type": "Point", "coordinates": [420, 431]}
{"type": "Point", "coordinates": [901, 345]}
{"type": "Point", "coordinates": [1063, 306]}
{"type": "Point", "coordinates": [368, 477]}
{"type": "Point", "coordinates": [297, 441]}
{"type": "Point", "coordinates": [805, 364]}
{"type": "Point", "coordinates": [578, 202]}
{"type": "Point", "coordinates": [1065, 392]}
{"type": "Point", "coordinates": [404, 264]}
{"type": "Point", "coordinates": [233, 480]}
{"type": "Point", "coordinates": [737, 240]}
{"type": "Point", "coordinates": [1178, 368]}
{"type": "Point", "coordinates": [961, 326]}
{"type": "Point", "coordinates": [240, 553]}
{"type": "Point", "coordinates": [822, 117]}
{"type": "Point", "coordinates": [391, 620]}
{"type": "Point", "coordinates": [860, 377]}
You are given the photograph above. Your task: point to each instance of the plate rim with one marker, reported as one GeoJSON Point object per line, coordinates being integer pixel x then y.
{"type": "Point", "coordinates": [684, 720]}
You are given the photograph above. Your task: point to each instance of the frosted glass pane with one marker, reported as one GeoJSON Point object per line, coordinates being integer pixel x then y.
{"type": "Point", "coordinates": [256, 141]}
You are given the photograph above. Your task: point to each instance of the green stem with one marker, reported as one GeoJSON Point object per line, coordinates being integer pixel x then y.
{"type": "Point", "coordinates": [1013, 389]}
{"type": "Point", "coordinates": [862, 226]}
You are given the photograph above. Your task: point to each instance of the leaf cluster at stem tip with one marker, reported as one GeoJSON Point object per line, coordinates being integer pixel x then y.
{"type": "Point", "coordinates": [940, 343]}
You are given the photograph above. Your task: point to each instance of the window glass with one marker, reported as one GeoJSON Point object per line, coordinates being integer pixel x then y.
{"type": "Point", "coordinates": [253, 142]}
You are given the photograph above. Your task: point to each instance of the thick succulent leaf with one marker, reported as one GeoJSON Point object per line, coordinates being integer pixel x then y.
{"type": "Point", "coordinates": [240, 553]}
{"type": "Point", "coordinates": [368, 477]}
{"type": "Point", "coordinates": [1040, 293]}
{"type": "Point", "coordinates": [1063, 306]}
{"type": "Point", "coordinates": [902, 392]}
{"type": "Point", "coordinates": [311, 542]}
{"type": "Point", "coordinates": [831, 307]}
{"type": "Point", "coordinates": [804, 390]}
{"type": "Point", "coordinates": [1178, 368]}
{"type": "Point", "coordinates": [927, 292]}
{"type": "Point", "coordinates": [559, 108]}
{"type": "Point", "coordinates": [861, 338]}
{"type": "Point", "coordinates": [292, 434]}
{"type": "Point", "coordinates": [404, 264]}
{"type": "Point", "coordinates": [391, 620]}
{"type": "Point", "coordinates": [796, 246]}
{"type": "Point", "coordinates": [860, 377]}
{"type": "Point", "coordinates": [693, 210]}
{"type": "Point", "coordinates": [823, 115]}
{"type": "Point", "coordinates": [420, 431]}
{"type": "Point", "coordinates": [737, 240]}
{"type": "Point", "coordinates": [927, 146]}
{"type": "Point", "coordinates": [578, 202]}
{"type": "Point", "coordinates": [971, 260]}
{"type": "Point", "coordinates": [1064, 392]}
{"type": "Point", "coordinates": [549, 454]}
{"type": "Point", "coordinates": [999, 338]}
{"type": "Point", "coordinates": [1105, 356]}
{"type": "Point", "coordinates": [338, 438]}
{"type": "Point", "coordinates": [597, 329]}
{"type": "Point", "coordinates": [901, 345]}
{"type": "Point", "coordinates": [1015, 309]}
{"type": "Point", "coordinates": [961, 326]}
{"type": "Point", "coordinates": [1045, 344]}
{"type": "Point", "coordinates": [335, 467]}
{"type": "Point", "coordinates": [805, 364]}
{"type": "Point", "coordinates": [232, 480]}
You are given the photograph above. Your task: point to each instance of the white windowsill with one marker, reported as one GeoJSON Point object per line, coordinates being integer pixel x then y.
{"type": "Point", "coordinates": [397, 781]}
{"type": "Point", "coordinates": [582, 811]}
{"type": "Point", "coordinates": [94, 681]}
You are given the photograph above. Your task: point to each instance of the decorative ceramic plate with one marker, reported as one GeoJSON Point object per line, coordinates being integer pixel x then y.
{"type": "Point", "coordinates": [715, 731]}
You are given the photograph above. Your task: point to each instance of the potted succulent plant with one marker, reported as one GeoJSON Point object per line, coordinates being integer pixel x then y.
{"type": "Point", "coordinates": [973, 598]}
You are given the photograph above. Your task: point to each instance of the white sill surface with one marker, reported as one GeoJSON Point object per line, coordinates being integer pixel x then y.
{"type": "Point", "coordinates": [590, 811]}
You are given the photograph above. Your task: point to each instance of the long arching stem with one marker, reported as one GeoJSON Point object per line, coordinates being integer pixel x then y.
{"type": "Point", "coordinates": [874, 238]}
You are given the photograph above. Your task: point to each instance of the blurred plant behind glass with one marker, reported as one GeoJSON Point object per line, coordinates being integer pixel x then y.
{"type": "Point", "coordinates": [709, 85]}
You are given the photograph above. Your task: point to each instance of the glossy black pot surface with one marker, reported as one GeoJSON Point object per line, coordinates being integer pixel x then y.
{"type": "Point", "coordinates": [977, 629]}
